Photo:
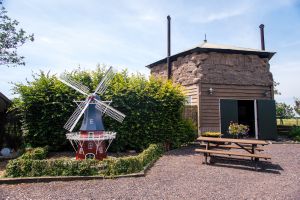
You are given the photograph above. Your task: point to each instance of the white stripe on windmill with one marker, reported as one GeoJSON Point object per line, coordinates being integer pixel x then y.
{"type": "Point", "coordinates": [90, 141]}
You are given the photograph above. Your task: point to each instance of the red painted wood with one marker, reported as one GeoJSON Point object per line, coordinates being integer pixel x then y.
{"type": "Point", "coordinates": [90, 147]}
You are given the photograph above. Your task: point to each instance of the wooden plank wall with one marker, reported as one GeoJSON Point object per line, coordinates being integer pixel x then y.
{"type": "Point", "coordinates": [191, 112]}
{"type": "Point", "coordinates": [209, 104]}
{"type": "Point", "coordinates": [192, 90]}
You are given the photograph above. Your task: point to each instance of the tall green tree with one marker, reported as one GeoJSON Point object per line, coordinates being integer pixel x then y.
{"type": "Point", "coordinates": [11, 38]}
{"type": "Point", "coordinates": [276, 91]}
{"type": "Point", "coordinates": [297, 106]}
{"type": "Point", "coordinates": [284, 111]}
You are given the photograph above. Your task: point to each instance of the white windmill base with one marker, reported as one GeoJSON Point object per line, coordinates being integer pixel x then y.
{"type": "Point", "coordinates": [79, 143]}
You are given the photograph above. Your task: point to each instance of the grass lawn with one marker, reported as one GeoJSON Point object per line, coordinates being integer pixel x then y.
{"type": "Point", "coordinates": [289, 122]}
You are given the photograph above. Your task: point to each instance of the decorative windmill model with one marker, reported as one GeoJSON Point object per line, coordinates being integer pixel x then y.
{"type": "Point", "coordinates": [92, 141]}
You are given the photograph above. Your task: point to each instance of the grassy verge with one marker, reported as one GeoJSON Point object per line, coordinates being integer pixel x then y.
{"type": "Point", "coordinates": [288, 122]}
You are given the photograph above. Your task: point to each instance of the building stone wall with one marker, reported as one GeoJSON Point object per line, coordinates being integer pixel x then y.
{"type": "Point", "coordinates": [218, 68]}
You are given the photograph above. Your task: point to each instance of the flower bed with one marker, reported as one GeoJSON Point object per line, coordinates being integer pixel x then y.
{"type": "Point", "coordinates": [34, 166]}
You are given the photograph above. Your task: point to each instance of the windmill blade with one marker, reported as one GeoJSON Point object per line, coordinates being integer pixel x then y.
{"type": "Point", "coordinates": [109, 75]}
{"type": "Point", "coordinates": [66, 79]}
{"type": "Point", "coordinates": [110, 111]}
{"type": "Point", "coordinates": [72, 121]}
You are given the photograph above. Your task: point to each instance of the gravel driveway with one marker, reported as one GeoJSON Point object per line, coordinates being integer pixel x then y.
{"type": "Point", "coordinates": [179, 174]}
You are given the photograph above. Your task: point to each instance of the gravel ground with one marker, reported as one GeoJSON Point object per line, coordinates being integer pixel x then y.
{"type": "Point", "coordinates": [180, 174]}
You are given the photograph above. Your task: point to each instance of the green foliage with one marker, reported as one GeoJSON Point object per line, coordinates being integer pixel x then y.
{"type": "Point", "coordinates": [44, 105]}
{"type": "Point", "coordinates": [211, 134]}
{"type": "Point", "coordinates": [152, 108]}
{"type": "Point", "coordinates": [276, 91]}
{"type": "Point", "coordinates": [11, 38]}
{"type": "Point", "coordinates": [27, 166]}
{"type": "Point", "coordinates": [284, 111]}
{"type": "Point", "coordinates": [125, 165]}
{"type": "Point", "coordinates": [295, 133]}
{"type": "Point", "coordinates": [38, 153]}
{"type": "Point", "coordinates": [152, 153]}
{"type": "Point", "coordinates": [59, 167]}
{"type": "Point", "coordinates": [297, 106]}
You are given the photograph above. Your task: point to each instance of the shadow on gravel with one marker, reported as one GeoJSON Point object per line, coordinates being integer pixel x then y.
{"type": "Point", "coordinates": [235, 163]}
{"type": "Point", "coordinates": [182, 151]}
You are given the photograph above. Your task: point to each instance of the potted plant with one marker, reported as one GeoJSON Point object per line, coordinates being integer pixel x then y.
{"type": "Point", "coordinates": [238, 130]}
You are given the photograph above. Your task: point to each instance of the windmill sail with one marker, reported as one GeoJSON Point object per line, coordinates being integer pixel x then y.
{"type": "Point", "coordinates": [66, 79]}
{"type": "Point", "coordinates": [110, 111]}
{"type": "Point", "coordinates": [72, 121]}
{"type": "Point", "coordinates": [109, 75]}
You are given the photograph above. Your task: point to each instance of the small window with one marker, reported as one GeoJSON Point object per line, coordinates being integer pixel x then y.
{"type": "Point", "coordinates": [100, 149]}
{"type": "Point", "coordinates": [81, 150]}
{"type": "Point", "coordinates": [188, 100]}
{"type": "Point", "coordinates": [90, 145]}
{"type": "Point", "coordinates": [91, 134]}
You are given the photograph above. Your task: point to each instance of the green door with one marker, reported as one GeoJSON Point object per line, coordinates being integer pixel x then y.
{"type": "Point", "coordinates": [266, 119]}
{"type": "Point", "coordinates": [229, 112]}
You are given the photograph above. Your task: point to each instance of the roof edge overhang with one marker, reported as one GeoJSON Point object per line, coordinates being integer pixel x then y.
{"type": "Point", "coordinates": [262, 54]}
{"type": "Point", "coordinates": [5, 99]}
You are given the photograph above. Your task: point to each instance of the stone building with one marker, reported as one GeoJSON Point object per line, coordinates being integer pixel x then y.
{"type": "Point", "coordinates": [225, 83]}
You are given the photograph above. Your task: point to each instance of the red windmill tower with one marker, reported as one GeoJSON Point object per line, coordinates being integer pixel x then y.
{"type": "Point", "coordinates": [92, 141]}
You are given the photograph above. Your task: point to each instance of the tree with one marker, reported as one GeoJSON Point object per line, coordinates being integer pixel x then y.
{"type": "Point", "coordinates": [11, 38]}
{"type": "Point", "coordinates": [276, 91]}
{"type": "Point", "coordinates": [284, 111]}
{"type": "Point", "coordinates": [297, 106]}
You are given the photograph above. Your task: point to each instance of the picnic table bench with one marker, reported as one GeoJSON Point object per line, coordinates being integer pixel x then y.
{"type": "Point", "coordinates": [222, 146]}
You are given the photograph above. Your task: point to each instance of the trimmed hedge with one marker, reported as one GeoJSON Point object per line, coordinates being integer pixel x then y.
{"type": "Point", "coordinates": [153, 110]}
{"type": "Point", "coordinates": [24, 167]}
{"type": "Point", "coordinates": [38, 153]}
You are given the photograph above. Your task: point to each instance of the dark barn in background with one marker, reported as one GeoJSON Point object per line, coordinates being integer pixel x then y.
{"type": "Point", "coordinates": [4, 104]}
{"type": "Point", "coordinates": [226, 83]}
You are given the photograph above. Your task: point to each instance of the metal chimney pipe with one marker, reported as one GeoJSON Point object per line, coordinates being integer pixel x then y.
{"type": "Point", "coordinates": [169, 47]}
{"type": "Point", "coordinates": [262, 36]}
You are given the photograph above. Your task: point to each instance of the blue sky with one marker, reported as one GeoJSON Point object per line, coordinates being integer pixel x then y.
{"type": "Point", "coordinates": [132, 34]}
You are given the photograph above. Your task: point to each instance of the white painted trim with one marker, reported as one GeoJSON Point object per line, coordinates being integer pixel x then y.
{"type": "Point", "coordinates": [255, 118]}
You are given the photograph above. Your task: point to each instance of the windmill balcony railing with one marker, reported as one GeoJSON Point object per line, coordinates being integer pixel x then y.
{"type": "Point", "coordinates": [106, 135]}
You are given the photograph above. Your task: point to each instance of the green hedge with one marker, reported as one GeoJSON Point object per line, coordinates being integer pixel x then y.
{"type": "Point", "coordinates": [24, 167]}
{"type": "Point", "coordinates": [295, 133]}
{"type": "Point", "coordinates": [152, 107]}
{"type": "Point", "coordinates": [38, 153]}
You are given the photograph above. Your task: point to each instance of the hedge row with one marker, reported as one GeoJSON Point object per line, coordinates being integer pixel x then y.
{"type": "Point", "coordinates": [38, 153]}
{"type": "Point", "coordinates": [153, 110]}
{"type": "Point", "coordinates": [24, 167]}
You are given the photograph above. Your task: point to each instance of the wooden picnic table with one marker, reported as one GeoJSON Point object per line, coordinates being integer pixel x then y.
{"type": "Point", "coordinates": [219, 144]}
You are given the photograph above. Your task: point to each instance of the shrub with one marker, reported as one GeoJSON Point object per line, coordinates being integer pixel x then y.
{"type": "Point", "coordinates": [295, 133]}
{"type": "Point", "coordinates": [24, 167]}
{"type": "Point", "coordinates": [211, 134]}
{"type": "Point", "coordinates": [152, 153]}
{"type": "Point", "coordinates": [152, 108]}
{"type": "Point", "coordinates": [56, 167]}
{"type": "Point", "coordinates": [38, 153]}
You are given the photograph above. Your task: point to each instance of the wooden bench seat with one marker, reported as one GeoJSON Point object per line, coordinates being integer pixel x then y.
{"type": "Point", "coordinates": [230, 153]}
{"type": "Point", "coordinates": [231, 147]}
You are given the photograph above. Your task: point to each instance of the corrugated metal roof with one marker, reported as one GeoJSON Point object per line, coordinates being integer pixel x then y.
{"type": "Point", "coordinates": [210, 47]}
{"type": "Point", "coordinates": [221, 46]}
